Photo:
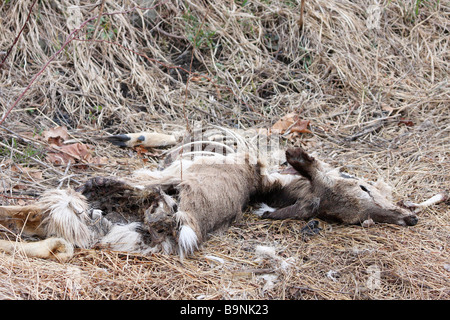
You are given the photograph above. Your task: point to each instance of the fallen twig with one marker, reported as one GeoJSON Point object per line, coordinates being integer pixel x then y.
{"type": "Point", "coordinates": [366, 130]}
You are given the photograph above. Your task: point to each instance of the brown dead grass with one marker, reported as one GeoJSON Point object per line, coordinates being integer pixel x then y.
{"type": "Point", "coordinates": [377, 100]}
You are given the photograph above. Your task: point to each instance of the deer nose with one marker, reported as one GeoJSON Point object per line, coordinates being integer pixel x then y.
{"type": "Point", "coordinates": [411, 220]}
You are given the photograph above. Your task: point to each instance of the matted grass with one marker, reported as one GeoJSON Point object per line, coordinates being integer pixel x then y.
{"type": "Point", "coordinates": [372, 81]}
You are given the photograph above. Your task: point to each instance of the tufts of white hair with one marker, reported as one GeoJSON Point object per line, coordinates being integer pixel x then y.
{"type": "Point", "coordinates": [123, 238]}
{"type": "Point", "coordinates": [67, 217]}
{"type": "Point", "coordinates": [262, 209]}
{"type": "Point", "coordinates": [187, 240]}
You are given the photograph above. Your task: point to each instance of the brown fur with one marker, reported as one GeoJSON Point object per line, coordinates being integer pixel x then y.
{"type": "Point", "coordinates": [217, 194]}
{"type": "Point", "coordinates": [22, 218]}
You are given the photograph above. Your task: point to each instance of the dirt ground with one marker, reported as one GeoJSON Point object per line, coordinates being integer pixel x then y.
{"type": "Point", "coordinates": [369, 82]}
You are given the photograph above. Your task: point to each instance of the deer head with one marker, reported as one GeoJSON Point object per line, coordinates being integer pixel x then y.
{"type": "Point", "coordinates": [337, 196]}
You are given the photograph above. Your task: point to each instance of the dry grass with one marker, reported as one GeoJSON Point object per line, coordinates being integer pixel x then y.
{"type": "Point", "coordinates": [354, 74]}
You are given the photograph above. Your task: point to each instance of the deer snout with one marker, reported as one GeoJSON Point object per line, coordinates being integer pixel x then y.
{"type": "Point", "coordinates": [397, 216]}
{"type": "Point", "coordinates": [408, 218]}
{"type": "Point", "coordinates": [411, 220]}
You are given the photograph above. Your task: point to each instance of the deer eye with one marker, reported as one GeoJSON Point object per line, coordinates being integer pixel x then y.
{"type": "Point", "coordinates": [364, 189]}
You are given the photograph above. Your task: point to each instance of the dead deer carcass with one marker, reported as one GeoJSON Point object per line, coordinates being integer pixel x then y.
{"type": "Point", "coordinates": [175, 209]}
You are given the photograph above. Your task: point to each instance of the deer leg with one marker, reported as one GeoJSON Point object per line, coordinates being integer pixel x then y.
{"type": "Point", "coordinates": [145, 139]}
{"type": "Point", "coordinates": [56, 248]}
{"type": "Point", "coordinates": [301, 210]}
{"type": "Point", "coordinates": [417, 207]}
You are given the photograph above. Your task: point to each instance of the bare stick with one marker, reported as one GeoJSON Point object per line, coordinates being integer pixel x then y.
{"type": "Point", "coordinates": [302, 9]}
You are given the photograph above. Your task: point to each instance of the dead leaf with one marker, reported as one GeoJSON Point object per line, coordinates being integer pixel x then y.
{"type": "Point", "coordinates": [76, 152]}
{"type": "Point", "coordinates": [149, 152]}
{"type": "Point", "coordinates": [406, 122]}
{"type": "Point", "coordinates": [56, 135]}
{"type": "Point", "coordinates": [301, 126]}
{"type": "Point", "coordinates": [29, 174]}
{"type": "Point", "coordinates": [291, 122]}
{"type": "Point", "coordinates": [58, 158]}
{"type": "Point", "coordinates": [284, 123]}
{"type": "Point", "coordinates": [140, 150]}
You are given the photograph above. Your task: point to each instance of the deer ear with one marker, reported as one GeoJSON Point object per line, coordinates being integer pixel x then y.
{"type": "Point", "coordinates": [384, 188]}
{"type": "Point", "coordinates": [301, 161]}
